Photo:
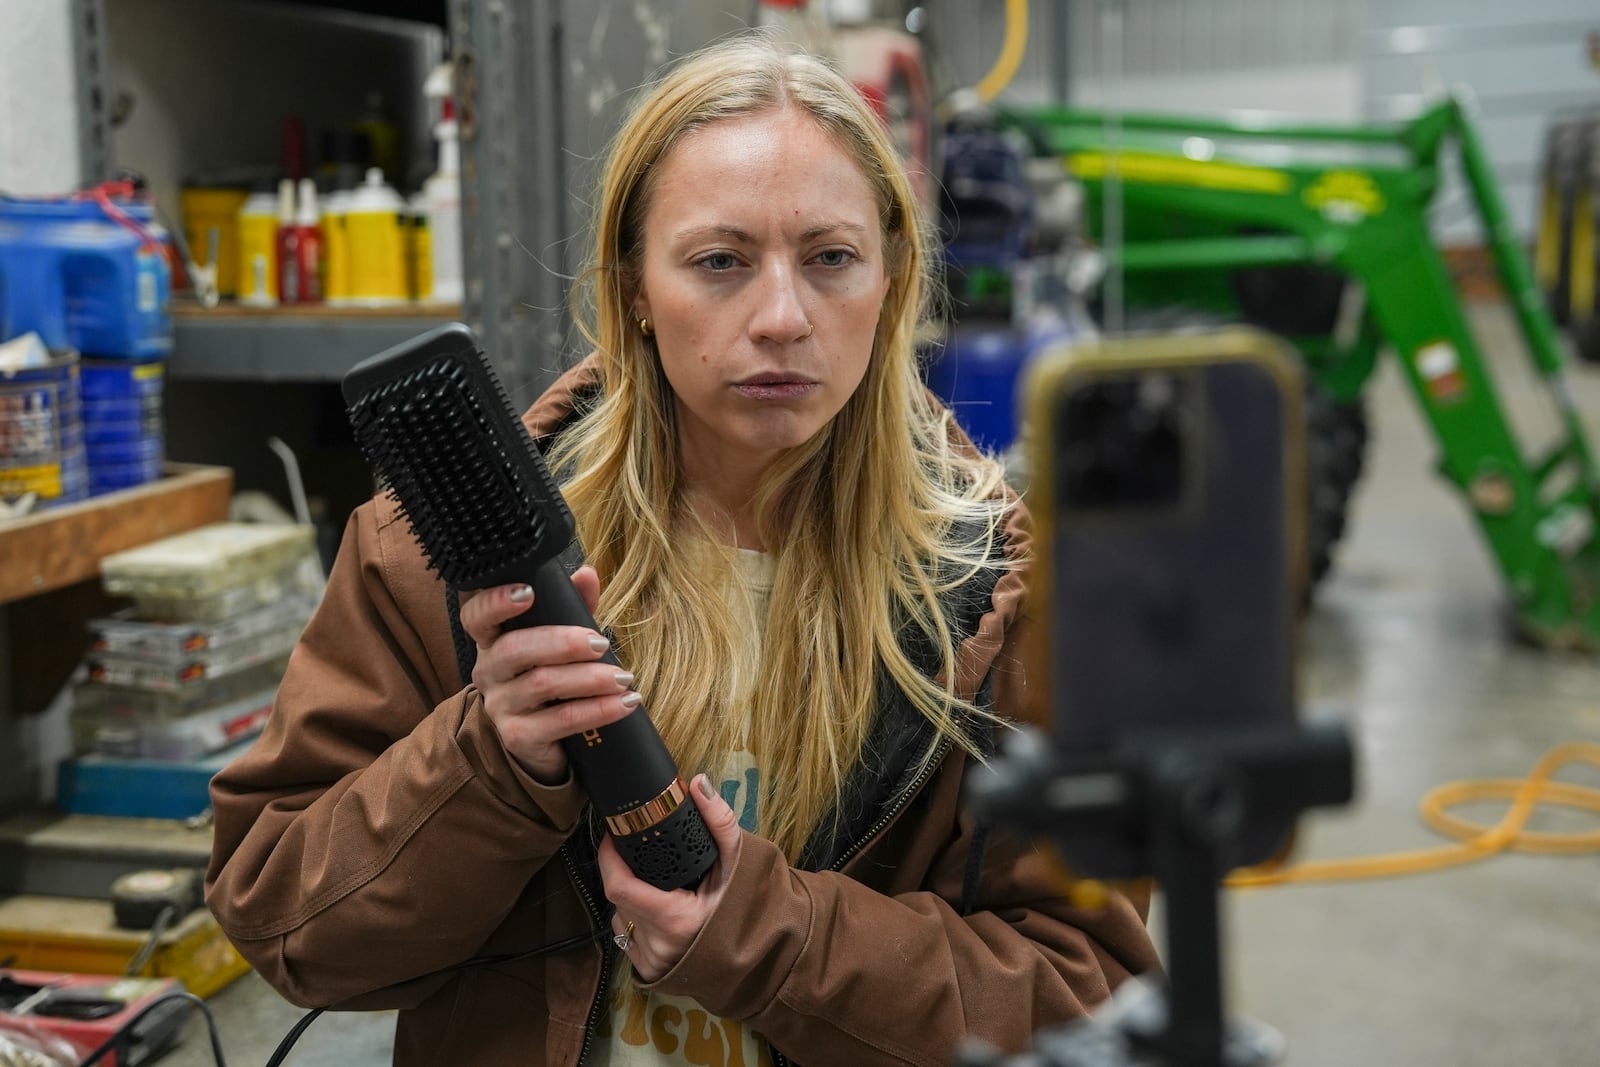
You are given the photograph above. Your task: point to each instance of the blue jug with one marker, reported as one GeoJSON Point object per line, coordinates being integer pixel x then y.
{"type": "Point", "coordinates": [87, 273]}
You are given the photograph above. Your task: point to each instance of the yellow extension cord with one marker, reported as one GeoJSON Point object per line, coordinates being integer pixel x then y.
{"type": "Point", "coordinates": [1477, 842]}
{"type": "Point", "coordinates": [1012, 50]}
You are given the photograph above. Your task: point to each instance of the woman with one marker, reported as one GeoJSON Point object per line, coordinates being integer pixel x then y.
{"type": "Point", "coordinates": [749, 431]}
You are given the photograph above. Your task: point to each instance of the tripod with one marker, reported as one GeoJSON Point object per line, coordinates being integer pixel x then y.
{"type": "Point", "coordinates": [1178, 806]}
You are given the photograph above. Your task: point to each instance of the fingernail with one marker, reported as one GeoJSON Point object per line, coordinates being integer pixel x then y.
{"type": "Point", "coordinates": [703, 783]}
{"type": "Point", "coordinates": [522, 594]}
{"type": "Point", "coordinates": [598, 643]}
{"type": "Point", "coordinates": [631, 700]}
{"type": "Point", "coordinates": [624, 679]}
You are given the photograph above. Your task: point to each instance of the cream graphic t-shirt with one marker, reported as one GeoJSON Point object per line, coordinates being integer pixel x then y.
{"type": "Point", "coordinates": [641, 1029]}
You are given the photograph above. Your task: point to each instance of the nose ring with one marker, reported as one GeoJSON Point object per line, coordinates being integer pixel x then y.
{"type": "Point", "coordinates": [810, 329]}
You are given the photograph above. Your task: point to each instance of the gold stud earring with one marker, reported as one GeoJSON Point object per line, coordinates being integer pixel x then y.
{"type": "Point", "coordinates": [644, 327]}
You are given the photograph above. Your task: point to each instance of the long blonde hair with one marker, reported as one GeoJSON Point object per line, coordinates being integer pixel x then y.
{"type": "Point", "coordinates": [870, 520]}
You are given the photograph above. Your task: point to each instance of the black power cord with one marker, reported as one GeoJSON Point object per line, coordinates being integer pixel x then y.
{"type": "Point", "coordinates": [299, 1028]}
{"type": "Point", "coordinates": [122, 1032]}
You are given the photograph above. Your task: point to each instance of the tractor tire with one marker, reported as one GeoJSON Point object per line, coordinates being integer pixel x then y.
{"type": "Point", "coordinates": [1336, 447]}
{"type": "Point", "coordinates": [1585, 333]}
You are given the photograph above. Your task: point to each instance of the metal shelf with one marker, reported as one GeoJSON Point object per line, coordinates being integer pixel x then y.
{"type": "Point", "coordinates": [288, 345]}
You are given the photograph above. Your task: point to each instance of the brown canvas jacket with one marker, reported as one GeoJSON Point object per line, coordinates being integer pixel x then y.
{"type": "Point", "coordinates": [377, 836]}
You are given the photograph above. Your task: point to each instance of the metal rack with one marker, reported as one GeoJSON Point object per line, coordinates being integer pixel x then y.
{"type": "Point", "coordinates": [287, 345]}
{"type": "Point", "coordinates": [540, 84]}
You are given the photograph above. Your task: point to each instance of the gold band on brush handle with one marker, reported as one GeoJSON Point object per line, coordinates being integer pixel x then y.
{"type": "Point", "coordinates": [646, 815]}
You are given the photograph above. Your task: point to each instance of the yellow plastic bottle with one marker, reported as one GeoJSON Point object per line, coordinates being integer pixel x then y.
{"type": "Point", "coordinates": [336, 249]}
{"type": "Point", "coordinates": [258, 249]}
{"type": "Point", "coordinates": [211, 215]}
{"type": "Point", "coordinates": [375, 239]}
{"type": "Point", "coordinates": [420, 249]}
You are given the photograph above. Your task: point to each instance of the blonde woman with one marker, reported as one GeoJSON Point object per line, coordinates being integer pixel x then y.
{"type": "Point", "coordinates": [812, 577]}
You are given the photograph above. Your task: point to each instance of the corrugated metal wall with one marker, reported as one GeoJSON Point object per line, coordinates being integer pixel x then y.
{"type": "Point", "coordinates": [1519, 64]}
{"type": "Point", "coordinates": [1295, 56]}
{"type": "Point", "coordinates": [1168, 37]}
{"type": "Point", "coordinates": [1288, 59]}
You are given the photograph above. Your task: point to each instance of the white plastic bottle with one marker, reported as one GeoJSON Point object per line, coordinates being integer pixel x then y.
{"type": "Point", "coordinates": [441, 195]}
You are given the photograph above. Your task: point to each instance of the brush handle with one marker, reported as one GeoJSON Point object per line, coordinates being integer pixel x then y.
{"type": "Point", "coordinates": [625, 767]}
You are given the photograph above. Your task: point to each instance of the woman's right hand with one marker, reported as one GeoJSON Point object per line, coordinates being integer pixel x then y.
{"type": "Point", "coordinates": [543, 683]}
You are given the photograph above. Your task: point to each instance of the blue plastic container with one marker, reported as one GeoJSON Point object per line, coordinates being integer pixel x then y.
{"type": "Point", "coordinates": [83, 280]}
{"type": "Point", "coordinates": [979, 373]}
{"type": "Point", "coordinates": [121, 379]}
{"type": "Point", "coordinates": [98, 433]}
{"type": "Point", "coordinates": [74, 477]}
{"type": "Point", "coordinates": [122, 409]}
{"type": "Point", "coordinates": [976, 375]}
{"type": "Point", "coordinates": [41, 432]}
{"type": "Point", "coordinates": [108, 478]}
{"type": "Point", "coordinates": [139, 788]}
{"type": "Point", "coordinates": [72, 434]}
{"type": "Point", "coordinates": [142, 449]}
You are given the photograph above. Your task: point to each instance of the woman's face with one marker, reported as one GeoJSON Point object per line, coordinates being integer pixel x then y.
{"type": "Point", "coordinates": [763, 276]}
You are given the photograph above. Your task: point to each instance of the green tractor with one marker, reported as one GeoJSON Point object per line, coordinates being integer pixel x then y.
{"type": "Point", "coordinates": [1319, 233]}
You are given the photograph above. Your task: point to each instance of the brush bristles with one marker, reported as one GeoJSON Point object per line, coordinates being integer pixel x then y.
{"type": "Point", "coordinates": [475, 488]}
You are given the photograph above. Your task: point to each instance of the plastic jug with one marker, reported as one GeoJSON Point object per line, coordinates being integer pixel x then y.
{"type": "Point", "coordinates": [375, 243]}
{"type": "Point", "coordinates": [41, 433]}
{"type": "Point", "coordinates": [89, 273]}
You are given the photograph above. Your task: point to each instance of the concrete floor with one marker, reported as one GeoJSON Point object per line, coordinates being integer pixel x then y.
{"type": "Point", "coordinates": [1492, 964]}
{"type": "Point", "coordinates": [1495, 963]}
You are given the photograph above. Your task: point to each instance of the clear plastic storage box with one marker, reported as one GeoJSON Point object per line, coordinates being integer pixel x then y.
{"type": "Point", "coordinates": [207, 561]}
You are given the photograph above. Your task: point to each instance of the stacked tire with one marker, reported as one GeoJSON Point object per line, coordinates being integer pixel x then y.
{"type": "Point", "coordinates": [1567, 242]}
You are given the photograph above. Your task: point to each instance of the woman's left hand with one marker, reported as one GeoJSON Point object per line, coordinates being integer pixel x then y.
{"type": "Point", "coordinates": [666, 921]}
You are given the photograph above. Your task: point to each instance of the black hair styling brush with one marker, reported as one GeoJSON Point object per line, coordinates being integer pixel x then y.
{"type": "Point", "coordinates": [433, 420]}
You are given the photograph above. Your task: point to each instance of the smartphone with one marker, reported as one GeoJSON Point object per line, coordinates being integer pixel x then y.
{"type": "Point", "coordinates": [1167, 486]}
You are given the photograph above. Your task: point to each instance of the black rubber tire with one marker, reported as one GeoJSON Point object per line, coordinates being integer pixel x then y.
{"type": "Point", "coordinates": [1297, 301]}
{"type": "Point", "coordinates": [1336, 448]}
{"type": "Point", "coordinates": [1586, 337]}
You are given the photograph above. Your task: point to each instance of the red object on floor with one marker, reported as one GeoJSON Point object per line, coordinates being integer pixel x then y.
{"type": "Point", "coordinates": [85, 1010]}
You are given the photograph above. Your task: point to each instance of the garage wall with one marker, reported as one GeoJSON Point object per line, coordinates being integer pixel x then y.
{"type": "Point", "coordinates": [38, 105]}
{"type": "Point", "coordinates": [1517, 63]}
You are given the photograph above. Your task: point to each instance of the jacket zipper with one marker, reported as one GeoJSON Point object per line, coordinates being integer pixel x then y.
{"type": "Point", "coordinates": [895, 808]}
{"type": "Point", "coordinates": [605, 956]}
